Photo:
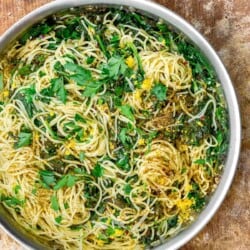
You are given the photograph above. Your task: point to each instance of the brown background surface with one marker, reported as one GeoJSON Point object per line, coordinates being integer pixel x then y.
{"type": "Point", "coordinates": [226, 25]}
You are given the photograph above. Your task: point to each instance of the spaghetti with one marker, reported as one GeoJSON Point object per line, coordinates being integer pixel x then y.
{"type": "Point", "coordinates": [113, 130]}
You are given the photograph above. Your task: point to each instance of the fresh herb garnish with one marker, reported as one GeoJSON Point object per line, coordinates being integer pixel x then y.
{"type": "Point", "coordinates": [54, 203]}
{"type": "Point", "coordinates": [97, 171]}
{"type": "Point", "coordinates": [160, 91]}
{"type": "Point", "coordinates": [126, 110]}
{"type": "Point", "coordinates": [24, 140]}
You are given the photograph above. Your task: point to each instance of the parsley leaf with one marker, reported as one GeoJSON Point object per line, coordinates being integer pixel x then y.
{"type": "Point", "coordinates": [24, 139]}
{"type": "Point", "coordinates": [57, 87]}
{"type": "Point", "coordinates": [80, 75]}
{"type": "Point", "coordinates": [97, 171]}
{"type": "Point", "coordinates": [47, 177]}
{"type": "Point", "coordinates": [12, 201]}
{"type": "Point", "coordinates": [160, 91]}
{"type": "Point", "coordinates": [26, 96]}
{"type": "Point", "coordinates": [127, 189]}
{"type": "Point", "coordinates": [54, 203]}
{"type": "Point", "coordinates": [126, 110]}
{"type": "Point", "coordinates": [81, 156]}
{"type": "Point", "coordinates": [25, 70]}
{"type": "Point", "coordinates": [114, 68]}
{"type": "Point", "coordinates": [58, 219]}
{"type": "Point", "coordinates": [123, 163]}
{"type": "Point", "coordinates": [65, 181]}
{"type": "Point", "coordinates": [79, 118]}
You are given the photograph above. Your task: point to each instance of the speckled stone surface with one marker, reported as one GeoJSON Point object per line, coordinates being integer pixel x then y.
{"type": "Point", "coordinates": [226, 25]}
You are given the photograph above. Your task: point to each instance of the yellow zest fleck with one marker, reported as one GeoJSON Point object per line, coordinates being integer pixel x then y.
{"type": "Point", "coordinates": [51, 113]}
{"type": "Point", "coordinates": [111, 146]}
{"type": "Point", "coordinates": [161, 181]}
{"type": "Point", "coordinates": [184, 204]}
{"type": "Point", "coordinates": [117, 233]}
{"type": "Point", "coordinates": [147, 84]}
{"type": "Point", "coordinates": [130, 61]}
{"type": "Point", "coordinates": [91, 30]}
{"type": "Point", "coordinates": [67, 152]}
{"type": "Point", "coordinates": [199, 123]}
{"type": "Point", "coordinates": [137, 95]}
{"type": "Point", "coordinates": [187, 188]}
{"type": "Point", "coordinates": [100, 243]}
{"type": "Point", "coordinates": [36, 136]}
{"type": "Point", "coordinates": [71, 144]}
{"type": "Point", "coordinates": [141, 142]}
{"type": "Point", "coordinates": [6, 93]}
{"type": "Point", "coordinates": [13, 86]}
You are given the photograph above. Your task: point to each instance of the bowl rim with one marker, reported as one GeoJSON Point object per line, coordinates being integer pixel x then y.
{"type": "Point", "coordinates": [188, 30]}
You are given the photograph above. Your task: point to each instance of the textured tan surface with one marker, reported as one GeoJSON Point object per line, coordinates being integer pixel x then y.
{"type": "Point", "coordinates": [226, 25]}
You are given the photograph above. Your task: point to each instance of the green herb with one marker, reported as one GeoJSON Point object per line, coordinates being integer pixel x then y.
{"type": "Point", "coordinates": [25, 70]}
{"type": "Point", "coordinates": [200, 161]}
{"type": "Point", "coordinates": [127, 189]}
{"type": "Point", "coordinates": [80, 75]}
{"type": "Point", "coordinates": [24, 140]}
{"type": "Point", "coordinates": [66, 181]}
{"type": "Point", "coordinates": [58, 219]}
{"type": "Point", "coordinates": [17, 188]}
{"type": "Point", "coordinates": [79, 118]}
{"type": "Point", "coordinates": [160, 91]}
{"type": "Point", "coordinates": [98, 171]}
{"type": "Point", "coordinates": [66, 205]}
{"type": "Point", "coordinates": [61, 183]}
{"type": "Point", "coordinates": [47, 177]}
{"type": "Point", "coordinates": [71, 181]}
{"type": "Point", "coordinates": [54, 203]}
{"type": "Point", "coordinates": [35, 31]}
{"type": "Point", "coordinates": [123, 163]}
{"type": "Point", "coordinates": [81, 156]}
{"type": "Point", "coordinates": [126, 110]}
{"type": "Point", "coordinates": [12, 201]}
{"type": "Point", "coordinates": [101, 45]}
{"type": "Point", "coordinates": [199, 64]}
{"type": "Point", "coordinates": [114, 68]}
{"type": "Point", "coordinates": [90, 60]}
{"type": "Point", "coordinates": [172, 222]}
{"type": "Point", "coordinates": [58, 89]}
{"type": "Point", "coordinates": [109, 231]}
{"type": "Point", "coordinates": [34, 191]}
{"type": "Point", "coordinates": [197, 196]}
{"type": "Point", "coordinates": [92, 88]}
{"type": "Point", "coordinates": [138, 58]}
{"type": "Point", "coordinates": [1, 81]}
{"type": "Point", "coordinates": [26, 96]}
